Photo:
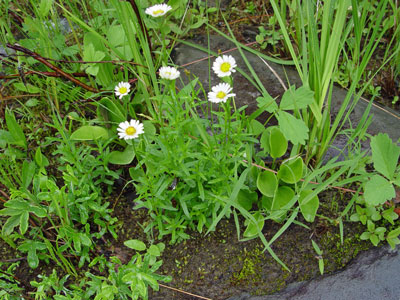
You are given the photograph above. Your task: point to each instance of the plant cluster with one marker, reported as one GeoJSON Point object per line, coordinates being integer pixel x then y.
{"type": "Point", "coordinates": [192, 156]}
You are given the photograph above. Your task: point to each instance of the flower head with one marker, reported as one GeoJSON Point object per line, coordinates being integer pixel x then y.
{"type": "Point", "coordinates": [224, 66]}
{"type": "Point", "coordinates": [169, 73]}
{"type": "Point", "coordinates": [220, 93]}
{"type": "Point", "coordinates": [130, 130]}
{"type": "Point", "coordinates": [122, 89]}
{"type": "Point", "coordinates": [158, 10]}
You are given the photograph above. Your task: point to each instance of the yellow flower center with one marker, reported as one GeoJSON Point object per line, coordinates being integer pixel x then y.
{"type": "Point", "coordinates": [123, 90]}
{"type": "Point", "coordinates": [225, 67]}
{"type": "Point", "coordinates": [130, 130]}
{"type": "Point", "coordinates": [221, 95]}
{"type": "Point", "coordinates": [158, 12]}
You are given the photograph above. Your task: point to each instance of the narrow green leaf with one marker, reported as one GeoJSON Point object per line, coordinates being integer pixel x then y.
{"type": "Point", "coordinates": [28, 171]}
{"type": "Point", "coordinates": [23, 226]}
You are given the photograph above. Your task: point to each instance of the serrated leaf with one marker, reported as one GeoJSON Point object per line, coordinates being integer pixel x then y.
{"type": "Point", "coordinates": [268, 103]}
{"type": "Point", "coordinates": [267, 183]}
{"type": "Point", "coordinates": [44, 7]}
{"type": "Point", "coordinates": [291, 171]}
{"type": "Point", "coordinates": [135, 245]}
{"type": "Point", "coordinates": [89, 133]}
{"type": "Point", "coordinates": [378, 190]}
{"type": "Point", "coordinates": [293, 129]}
{"type": "Point", "coordinates": [297, 99]}
{"type": "Point", "coordinates": [122, 158]}
{"type": "Point", "coordinates": [308, 207]}
{"type": "Point", "coordinates": [385, 154]}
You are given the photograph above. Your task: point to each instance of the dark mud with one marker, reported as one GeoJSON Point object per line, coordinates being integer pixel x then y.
{"type": "Point", "coordinates": [218, 265]}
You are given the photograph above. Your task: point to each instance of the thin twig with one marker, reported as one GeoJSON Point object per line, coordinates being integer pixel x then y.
{"type": "Point", "coordinates": [183, 292]}
{"type": "Point", "coordinates": [51, 66]}
{"type": "Point", "coordinates": [274, 72]}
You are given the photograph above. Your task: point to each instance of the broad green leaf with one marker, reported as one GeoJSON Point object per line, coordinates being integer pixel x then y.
{"type": "Point", "coordinates": [10, 224]}
{"type": "Point", "coordinates": [297, 99]}
{"type": "Point", "coordinates": [308, 207]}
{"type": "Point", "coordinates": [264, 140]}
{"type": "Point", "coordinates": [153, 250]}
{"type": "Point", "coordinates": [252, 228]}
{"type": "Point", "coordinates": [122, 158]}
{"type": "Point", "coordinates": [282, 198]}
{"type": "Point", "coordinates": [385, 155]}
{"type": "Point", "coordinates": [291, 170]}
{"type": "Point", "coordinates": [278, 143]}
{"type": "Point", "coordinates": [246, 198]}
{"type": "Point", "coordinates": [267, 183]}
{"type": "Point", "coordinates": [15, 130]}
{"type": "Point", "coordinates": [29, 88]}
{"type": "Point", "coordinates": [378, 190]}
{"type": "Point", "coordinates": [89, 133]}
{"type": "Point", "coordinates": [397, 180]}
{"type": "Point", "coordinates": [293, 129]}
{"type": "Point", "coordinates": [116, 35]}
{"type": "Point", "coordinates": [148, 128]}
{"type": "Point", "coordinates": [135, 245]}
{"type": "Point", "coordinates": [256, 127]}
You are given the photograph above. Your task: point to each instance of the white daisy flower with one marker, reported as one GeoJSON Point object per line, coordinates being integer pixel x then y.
{"type": "Point", "coordinates": [220, 93]}
{"type": "Point", "coordinates": [169, 73]}
{"type": "Point", "coordinates": [130, 130]}
{"type": "Point", "coordinates": [122, 89]}
{"type": "Point", "coordinates": [158, 10]}
{"type": "Point", "coordinates": [224, 66]}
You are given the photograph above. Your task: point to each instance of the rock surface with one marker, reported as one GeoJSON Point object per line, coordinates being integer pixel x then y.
{"type": "Point", "coordinates": [372, 276]}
